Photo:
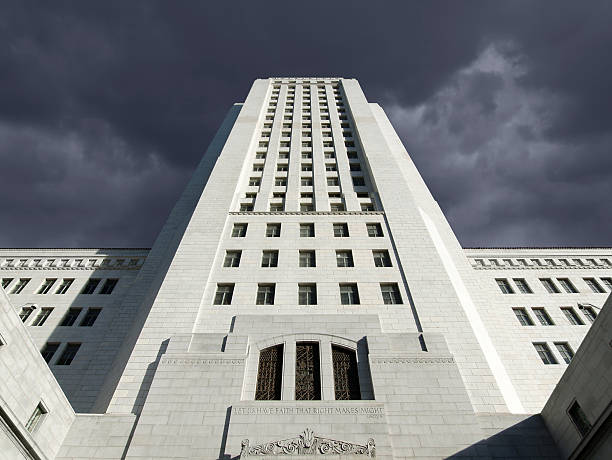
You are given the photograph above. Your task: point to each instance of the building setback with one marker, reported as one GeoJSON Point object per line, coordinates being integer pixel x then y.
{"type": "Point", "coordinates": [305, 297]}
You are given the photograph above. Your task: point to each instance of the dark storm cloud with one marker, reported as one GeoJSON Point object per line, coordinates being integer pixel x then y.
{"type": "Point", "coordinates": [106, 107]}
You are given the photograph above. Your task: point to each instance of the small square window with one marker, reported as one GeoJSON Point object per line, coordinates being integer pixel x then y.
{"type": "Point", "coordinates": [333, 182]}
{"type": "Point", "coordinates": [381, 258]}
{"type": "Point", "coordinates": [307, 230]}
{"type": "Point", "coordinates": [374, 230]}
{"type": "Point", "coordinates": [277, 207]}
{"type": "Point", "coordinates": [330, 167]}
{"type": "Point", "coordinates": [273, 230]}
{"type": "Point", "coordinates": [306, 207]}
{"type": "Point", "coordinates": [109, 286]}
{"type": "Point", "coordinates": [224, 294]}
{"type": "Point", "coordinates": [232, 258]}
{"type": "Point", "coordinates": [239, 230]}
{"type": "Point", "coordinates": [367, 207]}
{"type": "Point", "coordinates": [265, 294]}
{"type": "Point", "coordinates": [307, 294]}
{"type": "Point", "coordinates": [254, 182]}
{"type": "Point", "coordinates": [349, 294]}
{"type": "Point", "coordinates": [246, 207]}
{"type": "Point", "coordinates": [306, 181]}
{"type": "Point", "coordinates": [344, 258]}
{"type": "Point", "coordinates": [390, 293]}
{"type": "Point", "coordinates": [280, 182]}
{"type": "Point", "coordinates": [341, 230]}
{"type": "Point", "coordinates": [545, 354]}
{"type": "Point", "coordinates": [269, 259]}
{"type": "Point", "coordinates": [336, 207]}
{"type": "Point", "coordinates": [308, 259]}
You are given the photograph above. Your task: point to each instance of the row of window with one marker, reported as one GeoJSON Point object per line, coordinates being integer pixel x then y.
{"type": "Point", "coordinates": [307, 230]}
{"type": "Point", "coordinates": [68, 320]}
{"type": "Point", "coordinates": [69, 263]}
{"type": "Point", "coordinates": [325, 122]}
{"type": "Point", "coordinates": [47, 286]}
{"type": "Point", "coordinates": [547, 356]}
{"type": "Point", "coordinates": [544, 319]}
{"type": "Point", "coordinates": [307, 258]}
{"type": "Point", "coordinates": [306, 207]}
{"type": "Point", "coordinates": [551, 287]}
{"type": "Point", "coordinates": [307, 294]}
{"type": "Point", "coordinates": [65, 358]}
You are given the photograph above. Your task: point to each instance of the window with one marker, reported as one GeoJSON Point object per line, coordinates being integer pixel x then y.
{"type": "Point", "coordinates": [594, 285]}
{"type": "Point", "coordinates": [307, 371]}
{"type": "Point", "coordinates": [306, 167]}
{"type": "Point", "coordinates": [588, 312]}
{"type": "Point", "coordinates": [6, 282]}
{"type": "Point", "coordinates": [567, 285]}
{"type": "Point", "coordinates": [239, 230]}
{"type": "Point", "coordinates": [25, 313]}
{"type": "Point", "coordinates": [265, 294]}
{"type": "Point", "coordinates": [346, 375]}
{"type": "Point", "coordinates": [606, 281]}
{"type": "Point", "coordinates": [49, 350]}
{"type": "Point", "coordinates": [374, 230]}
{"type": "Point", "coordinates": [109, 286]}
{"type": "Point", "coordinates": [542, 316]}
{"type": "Point", "coordinates": [572, 316]}
{"type": "Point", "coordinates": [545, 354]}
{"type": "Point", "coordinates": [330, 167]}
{"type": "Point", "coordinates": [68, 355]}
{"type": "Point", "coordinates": [70, 317]}
{"type": "Point", "coordinates": [565, 351]}
{"type": "Point", "coordinates": [551, 288]}
{"type": "Point", "coordinates": [579, 419]}
{"type": "Point", "coordinates": [269, 374]}
{"type": "Point", "coordinates": [36, 417]}
{"type": "Point", "coordinates": [381, 258]}
{"type": "Point", "coordinates": [367, 207]}
{"type": "Point", "coordinates": [42, 316]}
{"type": "Point", "coordinates": [224, 294]}
{"type": "Point", "coordinates": [329, 156]}
{"type": "Point", "coordinates": [306, 182]}
{"type": "Point", "coordinates": [522, 286]}
{"type": "Point", "coordinates": [20, 285]}
{"type": "Point", "coordinates": [306, 207]}
{"type": "Point", "coordinates": [351, 155]}
{"type": "Point", "coordinates": [282, 168]}
{"type": "Point", "coordinates": [390, 293]}
{"type": "Point", "coordinates": [254, 182]}
{"type": "Point", "coordinates": [522, 316]}
{"type": "Point", "coordinates": [306, 155]}
{"type": "Point", "coordinates": [232, 258]}
{"type": "Point", "coordinates": [90, 286]}
{"type": "Point", "coordinates": [307, 230]}
{"type": "Point", "coordinates": [63, 287]}
{"type": "Point", "coordinates": [257, 168]}
{"type": "Point", "coordinates": [280, 182]}
{"type": "Point", "coordinates": [333, 182]}
{"type": "Point", "coordinates": [244, 207]}
{"type": "Point", "coordinates": [307, 294]}
{"type": "Point", "coordinates": [250, 195]}
{"type": "Point", "coordinates": [341, 230]}
{"type": "Point", "coordinates": [349, 295]}
{"type": "Point", "coordinates": [46, 286]}
{"type": "Point", "coordinates": [344, 258]}
{"type": "Point", "coordinates": [273, 230]}
{"type": "Point", "coordinates": [504, 286]}
{"type": "Point", "coordinates": [336, 207]}
{"type": "Point", "coordinates": [269, 259]}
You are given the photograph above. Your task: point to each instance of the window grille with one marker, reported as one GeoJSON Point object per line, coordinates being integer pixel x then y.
{"type": "Point", "coordinates": [270, 373]}
{"type": "Point", "coordinates": [346, 377]}
{"type": "Point", "coordinates": [307, 371]}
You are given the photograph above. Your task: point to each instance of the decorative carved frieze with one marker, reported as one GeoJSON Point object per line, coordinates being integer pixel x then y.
{"type": "Point", "coordinates": [432, 360]}
{"type": "Point", "coordinates": [302, 213]}
{"type": "Point", "coordinates": [200, 361]}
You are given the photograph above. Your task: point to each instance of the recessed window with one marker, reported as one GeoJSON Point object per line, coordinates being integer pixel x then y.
{"type": "Point", "coordinates": [260, 156]}
{"type": "Point", "coordinates": [565, 351]}
{"type": "Point", "coordinates": [542, 316]}
{"type": "Point", "coordinates": [257, 168]}
{"type": "Point", "coordinates": [307, 230]}
{"type": "Point", "coordinates": [341, 230]}
{"type": "Point", "coordinates": [572, 316]}
{"type": "Point", "coordinates": [306, 155]}
{"type": "Point", "coordinates": [42, 316]}
{"type": "Point", "coordinates": [344, 258]}
{"type": "Point", "coordinates": [335, 207]}
{"type": "Point", "coordinates": [224, 294]}
{"type": "Point", "coordinates": [36, 418]}
{"type": "Point", "coordinates": [90, 286]}
{"type": "Point", "coordinates": [269, 259]}
{"type": "Point", "coordinates": [282, 168]}
{"type": "Point", "coordinates": [64, 286]}
{"type": "Point", "coordinates": [70, 317]}
{"type": "Point", "coordinates": [349, 294]}
{"type": "Point", "coordinates": [381, 258]}
{"type": "Point", "coordinates": [346, 375]}
{"type": "Point", "coordinates": [351, 155]}
{"type": "Point", "coordinates": [522, 286]}
{"type": "Point", "coordinates": [109, 286]}
{"type": "Point", "coordinates": [20, 285]}
{"type": "Point", "coordinates": [90, 317]}
{"type": "Point", "coordinates": [545, 354]}
{"type": "Point", "coordinates": [390, 293]}
{"type": "Point", "coordinates": [6, 282]}
{"type": "Point", "coordinates": [49, 350]}
{"type": "Point", "coordinates": [567, 285]}
{"type": "Point", "coordinates": [594, 285]}
{"type": "Point", "coordinates": [374, 230]}
{"type": "Point", "coordinates": [588, 311]}
{"type": "Point", "coordinates": [522, 316]}
{"type": "Point", "coordinates": [333, 182]}
{"type": "Point", "coordinates": [69, 354]}
{"type": "Point", "coordinates": [280, 182]}
{"type": "Point", "coordinates": [307, 372]}
{"type": "Point", "coordinates": [46, 286]}
{"type": "Point", "coordinates": [245, 207]}
{"type": "Point", "coordinates": [269, 374]}
{"type": "Point", "coordinates": [306, 167]}
{"type": "Point", "coordinates": [273, 230]}
{"type": "Point", "coordinates": [504, 286]}
{"type": "Point", "coordinates": [306, 207]}
{"type": "Point", "coordinates": [607, 282]}
{"type": "Point", "coordinates": [549, 285]}
{"type": "Point", "coordinates": [232, 258]}
{"type": "Point", "coordinates": [306, 181]}
{"type": "Point", "coordinates": [308, 259]}
{"type": "Point", "coordinates": [579, 419]}
{"type": "Point", "coordinates": [307, 294]}
{"type": "Point", "coordinates": [239, 230]}
{"type": "Point", "coordinates": [367, 207]}
{"type": "Point", "coordinates": [330, 167]}
{"type": "Point", "coordinates": [265, 294]}
{"type": "Point", "coordinates": [355, 167]}
{"type": "Point", "coordinates": [25, 313]}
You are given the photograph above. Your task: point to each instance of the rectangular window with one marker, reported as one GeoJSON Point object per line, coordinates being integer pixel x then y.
{"type": "Point", "coordinates": [245, 207]}
{"type": "Point", "coordinates": [280, 182]}
{"type": "Point", "coordinates": [550, 287]}
{"type": "Point", "coordinates": [607, 282]}
{"type": "Point", "coordinates": [306, 155]}
{"type": "Point", "coordinates": [273, 230]}
{"type": "Point", "coordinates": [542, 316]}
{"type": "Point", "coordinates": [307, 230]}
{"type": "Point", "coordinates": [68, 355]}
{"type": "Point", "coordinates": [224, 294]}
{"type": "Point", "coordinates": [336, 207]}
{"type": "Point", "coordinates": [46, 286]}
{"type": "Point", "coordinates": [367, 207]}
{"type": "Point", "coordinates": [565, 351]}
{"type": "Point", "coordinates": [36, 417]}
{"type": "Point", "coordinates": [232, 258]}
{"type": "Point", "coordinates": [390, 293]}
{"type": "Point", "coordinates": [545, 354]}
{"type": "Point", "coordinates": [6, 282]}
{"type": "Point", "coordinates": [269, 259]}
{"type": "Point", "coordinates": [522, 316]}
{"type": "Point", "coordinates": [594, 285]}
{"type": "Point", "coordinates": [265, 294]}
{"type": "Point", "coordinates": [306, 181]}
{"type": "Point", "coordinates": [341, 230]}
{"type": "Point", "coordinates": [567, 285]}
{"type": "Point", "coordinates": [20, 285]}
{"type": "Point", "coordinates": [374, 230]}
{"type": "Point", "coordinates": [257, 168]}
{"type": "Point", "coordinates": [239, 230]}
{"type": "Point", "coordinates": [90, 317]}
{"type": "Point", "coordinates": [307, 259]}
{"type": "Point", "coordinates": [25, 313]}
{"type": "Point", "coordinates": [49, 350]}
{"type": "Point", "coordinates": [349, 295]}
{"type": "Point", "coordinates": [344, 258]}
{"type": "Point", "coordinates": [70, 317]}
{"type": "Point", "coordinates": [64, 286]}
{"type": "Point", "coordinates": [109, 286]}
{"type": "Point", "coordinates": [90, 286]}
{"type": "Point", "coordinates": [306, 207]}
{"type": "Point", "coordinates": [306, 167]}
{"type": "Point", "coordinates": [307, 294]}
{"type": "Point", "coordinates": [504, 285]}
{"type": "Point", "coordinates": [381, 258]}
{"type": "Point", "coordinates": [358, 181]}
{"type": "Point", "coordinates": [579, 419]}
{"type": "Point", "coordinates": [522, 286]}
{"type": "Point", "coordinates": [572, 316]}
{"type": "Point", "coordinates": [42, 316]}
{"type": "Point", "coordinates": [254, 182]}
{"type": "Point", "coordinates": [282, 168]}
{"type": "Point", "coordinates": [330, 167]}
{"type": "Point", "coordinates": [333, 182]}
{"type": "Point", "coordinates": [588, 311]}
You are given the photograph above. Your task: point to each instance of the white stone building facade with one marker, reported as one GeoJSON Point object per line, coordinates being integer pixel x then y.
{"type": "Point", "coordinates": [305, 297]}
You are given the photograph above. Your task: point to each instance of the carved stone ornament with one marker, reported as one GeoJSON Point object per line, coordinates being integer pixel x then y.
{"type": "Point", "coordinates": [308, 444]}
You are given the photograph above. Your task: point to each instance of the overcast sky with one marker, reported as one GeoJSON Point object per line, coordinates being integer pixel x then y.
{"type": "Point", "coordinates": [106, 107]}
